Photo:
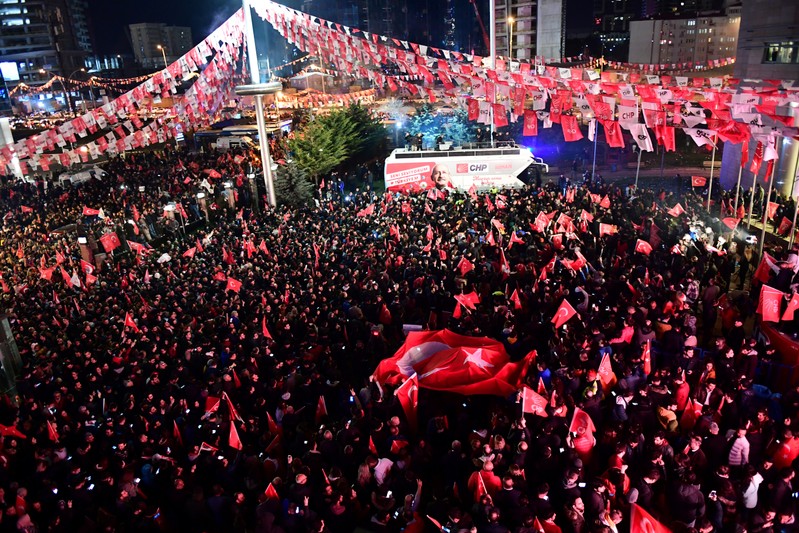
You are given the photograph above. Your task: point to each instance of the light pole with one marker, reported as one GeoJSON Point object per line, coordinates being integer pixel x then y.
{"type": "Point", "coordinates": [163, 54]}
{"type": "Point", "coordinates": [63, 86]}
{"type": "Point", "coordinates": [492, 21]}
{"type": "Point", "coordinates": [511, 20]}
{"type": "Point", "coordinates": [259, 90]}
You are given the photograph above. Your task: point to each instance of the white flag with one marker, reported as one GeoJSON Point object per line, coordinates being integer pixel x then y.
{"type": "Point", "coordinates": [641, 136]}
{"type": "Point", "coordinates": [628, 116]}
{"type": "Point", "coordinates": [693, 120]}
{"type": "Point", "coordinates": [771, 149]}
{"type": "Point", "coordinates": [700, 136]}
{"type": "Point", "coordinates": [485, 113]}
{"type": "Point", "coordinates": [592, 129]}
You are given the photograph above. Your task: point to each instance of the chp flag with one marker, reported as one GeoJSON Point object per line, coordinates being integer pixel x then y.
{"type": "Point", "coordinates": [533, 403]}
{"type": "Point", "coordinates": [446, 361]}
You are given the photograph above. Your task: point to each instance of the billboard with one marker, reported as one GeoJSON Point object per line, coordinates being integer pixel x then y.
{"type": "Point", "coordinates": [9, 71]}
{"type": "Point", "coordinates": [493, 169]}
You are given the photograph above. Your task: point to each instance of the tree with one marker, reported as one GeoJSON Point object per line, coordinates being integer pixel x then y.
{"type": "Point", "coordinates": [324, 143]}
{"type": "Point", "coordinates": [370, 133]}
{"type": "Point", "coordinates": [292, 185]}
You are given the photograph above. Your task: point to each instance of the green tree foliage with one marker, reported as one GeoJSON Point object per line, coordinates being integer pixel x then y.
{"type": "Point", "coordinates": [371, 134]}
{"type": "Point", "coordinates": [345, 136]}
{"type": "Point", "coordinates": [453, 125]}
{"type": "Point", "coordinates": [324, 143]}
{"type": "Point", "coordinates": [292, 185]}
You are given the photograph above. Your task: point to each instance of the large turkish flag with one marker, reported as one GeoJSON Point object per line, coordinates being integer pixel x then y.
{"type": "Point", "coordinates": [446, 361]}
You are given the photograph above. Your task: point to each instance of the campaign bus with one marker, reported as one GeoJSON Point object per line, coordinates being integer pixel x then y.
{"type": "Point", "coordinates": [461, 168]}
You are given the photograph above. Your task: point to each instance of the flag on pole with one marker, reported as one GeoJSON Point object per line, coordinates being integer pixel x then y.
{"type": "Point", "coordinates": [533, 402]}
{"type": "Point", "coordinates": [564, 313]}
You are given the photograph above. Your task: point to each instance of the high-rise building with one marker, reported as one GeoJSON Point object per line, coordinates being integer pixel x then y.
{"type": "Point", "coordinates": [685, 40]}
{"type": "Point", "coordinates": [43, 37]}
{"type": "Point", "coordinates": [768, 49]}
{"type": "Point", "coordinates": [529, 28]}
{"type": "Point", "coordinates": [155, 43]}
{"type": "Point", "coordinates": [612, 26]}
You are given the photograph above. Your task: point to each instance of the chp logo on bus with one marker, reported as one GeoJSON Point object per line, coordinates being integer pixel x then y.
{"type": "Point", "coordinates": [471, 168]}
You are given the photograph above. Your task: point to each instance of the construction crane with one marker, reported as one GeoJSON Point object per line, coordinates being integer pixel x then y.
{"type": "Point", "coordinates": [486, 40]}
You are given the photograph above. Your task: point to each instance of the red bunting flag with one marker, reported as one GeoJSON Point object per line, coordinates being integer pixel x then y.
{"type": "Point", "coordinates": [571, 131]}
{"type": "Point", "coordinates": [530, 128]}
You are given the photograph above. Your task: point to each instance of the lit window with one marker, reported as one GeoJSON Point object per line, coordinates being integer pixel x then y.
{"type": "Point", "coordinates": [784, 52]}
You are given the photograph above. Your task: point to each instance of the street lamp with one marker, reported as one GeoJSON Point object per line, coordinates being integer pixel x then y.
{"type": "Point", "coordinates": [259, 90]}
{"type": "Point", "coordinates": [163, 53]}
{"type": "Point", "coordinates": [511, 20]}
{"type": "Point", "coordinates": [64, 87]}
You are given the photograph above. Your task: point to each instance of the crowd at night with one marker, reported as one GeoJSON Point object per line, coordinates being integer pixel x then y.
{"type": "Point", "coordinates": [230, 385]}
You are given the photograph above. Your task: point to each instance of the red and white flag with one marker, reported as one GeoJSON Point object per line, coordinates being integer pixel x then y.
{"type": "Point", "coordinates": [581, 423]}
{"type": "Point", "coordinates": [534, 403]}
{"type": "Point", "coordinates": [233, 285]}
{"type": "Point", "coordinates": [607, 377]}
{"type": "Point", "coordinates": [793, 305]}
{"type": "Point", "coordinates": [769, 306]}
{"type": "Point", "coordinates": [408, 396]}
{"type": "Point", "coordinates": [130, 323]}
{"type": "Point", "coordinates": [446, 361]}
{"type": "Point", "coordinates": [643, 247]}
{"type": "Point", "coordinates": [563, 314]}
{"type": "Point", "coordinates": [643, 522]}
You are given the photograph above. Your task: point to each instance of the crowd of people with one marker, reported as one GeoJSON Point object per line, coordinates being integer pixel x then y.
{"type": "Point", "coordinates": [175, 384]}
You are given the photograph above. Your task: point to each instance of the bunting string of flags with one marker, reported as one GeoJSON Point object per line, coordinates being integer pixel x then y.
{"type": "Point", "coordinates": [616, 100]}
{"type": "Point", "coordinates": [123, 116]}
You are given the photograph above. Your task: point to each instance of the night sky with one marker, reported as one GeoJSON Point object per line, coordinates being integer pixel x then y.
{"type": "Point", "coordinates": [111, 18]}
